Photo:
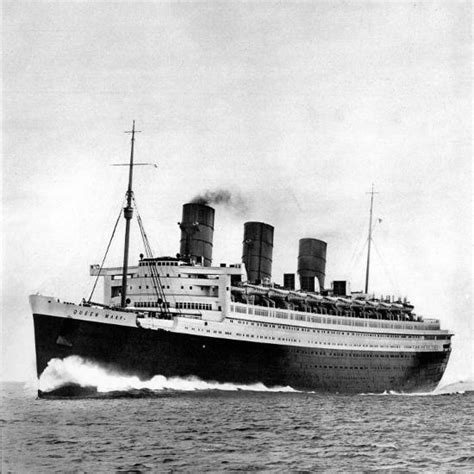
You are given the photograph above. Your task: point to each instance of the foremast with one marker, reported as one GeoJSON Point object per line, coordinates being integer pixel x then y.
{"type": "Point", "coordinates": [128, 215]}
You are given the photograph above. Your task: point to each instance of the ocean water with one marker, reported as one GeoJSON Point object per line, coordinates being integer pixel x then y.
{"type": "Point", "coordinates": [188, 425]}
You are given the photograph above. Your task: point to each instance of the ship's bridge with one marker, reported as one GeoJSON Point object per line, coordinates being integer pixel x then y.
{"type": "Point", "coordinates": [185, 285]}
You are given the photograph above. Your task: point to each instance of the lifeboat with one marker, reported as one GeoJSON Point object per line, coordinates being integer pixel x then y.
{"type": "Point", "coordinates": [255, 290]}
{"type": "Point", "coordinates": [358, 303]}
{"type": "Point", "coordinates": [345, 301]}
{"type": "Point", "coordinates": [314, 298]}
{"type": "Point", "coordinates": [277, 293]}
{"type": "Point", "coordinates": [397, 306]}
{"type": "Point", "coordinates": [294, 297]}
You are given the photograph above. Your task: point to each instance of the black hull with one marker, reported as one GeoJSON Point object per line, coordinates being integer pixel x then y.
{"type": "Point", "coordinates": [145, 353]}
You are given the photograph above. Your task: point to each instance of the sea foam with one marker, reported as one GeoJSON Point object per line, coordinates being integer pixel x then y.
{"type": "Point", "coordinates": [76, 370]}
{"type": "Point", "coordinates": [461, 387]}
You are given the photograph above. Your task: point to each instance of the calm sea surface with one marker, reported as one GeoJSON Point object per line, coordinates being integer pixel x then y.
{"type": "Point", "coordinates": [243, 430]}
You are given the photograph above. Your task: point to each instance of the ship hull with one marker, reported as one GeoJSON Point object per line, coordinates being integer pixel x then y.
{"type": "Point", "coordinates": [145, 353]}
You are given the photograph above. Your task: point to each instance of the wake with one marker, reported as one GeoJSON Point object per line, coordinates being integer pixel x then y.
{"type": "Point", "coordinates": [75, 370]}
{"type": "Point", "coordinates": [457, 388]}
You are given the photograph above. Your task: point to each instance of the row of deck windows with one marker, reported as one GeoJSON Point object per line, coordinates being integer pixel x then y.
{"type": "Point", "coordinates": [116, 289]}
{"type": "Point", "coordinates": [286, 339]}
{"type": "Point", "coordinates": [150, 304]}
{"type": "Point", "coordinates": [354, 354]}
{"type": "Point", "coordinates": [191, 305]}
{"type": "Point", "coordinates": [283, 339]}
{"type": "Point", "coordinates": [343, 333]}
{"type": "Point", "coordinates": [380, 367]}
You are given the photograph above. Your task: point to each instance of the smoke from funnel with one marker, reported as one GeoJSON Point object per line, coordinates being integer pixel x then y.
{"type": "Point", "coordinates": [231, 200]}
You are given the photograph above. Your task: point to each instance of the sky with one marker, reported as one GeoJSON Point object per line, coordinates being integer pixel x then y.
{"type": "Point", "coordinates": [296, 108]}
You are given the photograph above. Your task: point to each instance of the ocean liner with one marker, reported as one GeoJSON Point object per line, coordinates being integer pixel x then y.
{"type": "Point", "coordinates": [182, 316]}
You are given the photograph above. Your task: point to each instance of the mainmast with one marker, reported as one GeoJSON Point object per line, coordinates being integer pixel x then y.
{"type": "Point", "coordinates": [127, 214]}
{"type": "Point", "coordinates": [372, 192]}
